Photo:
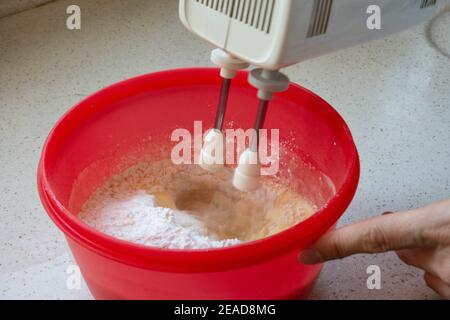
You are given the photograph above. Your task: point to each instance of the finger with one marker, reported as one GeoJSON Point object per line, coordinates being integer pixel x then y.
{"type": "Point", "coordinates": [439, 286]}
{"type": "Point", "coordinates": [434, 261]}
{"type": "Point", "coordinates": [396, 231]}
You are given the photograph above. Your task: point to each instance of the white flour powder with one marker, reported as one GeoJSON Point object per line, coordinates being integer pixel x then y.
{"type": "Point", "coordinates": [183, 207]}
{"type": "Point", "coordinates": [137, 218]}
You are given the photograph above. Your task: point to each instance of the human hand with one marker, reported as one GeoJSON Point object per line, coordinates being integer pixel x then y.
{"type": "Point", "coordinates": [421, 238]}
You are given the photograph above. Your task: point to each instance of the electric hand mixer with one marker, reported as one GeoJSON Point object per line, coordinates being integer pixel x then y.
{"type": "Point", "coordinates": [272, 34]}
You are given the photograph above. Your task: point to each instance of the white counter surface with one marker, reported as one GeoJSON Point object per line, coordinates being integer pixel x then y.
{"type": "Point", "coordinates": [394, 94]}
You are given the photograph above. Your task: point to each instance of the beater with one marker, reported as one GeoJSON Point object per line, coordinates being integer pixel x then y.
{"type": "Point", "coordinates": [214, 140]}
{"type": "Point", "coordinates": [273, 34]}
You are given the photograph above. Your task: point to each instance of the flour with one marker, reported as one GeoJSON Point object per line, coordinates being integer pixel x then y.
{"type": "Point", "coordinates": [184, 207]}
{"type": "Point", "coordinates": [137, 218]}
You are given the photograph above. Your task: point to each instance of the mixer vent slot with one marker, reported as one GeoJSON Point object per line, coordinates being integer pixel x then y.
{"type": "Point", "coordinates": [254, 13]}
{"type": "Point", "coordinates": [427, 3]}
{"type": "Point", "coordinates": [320, 18]}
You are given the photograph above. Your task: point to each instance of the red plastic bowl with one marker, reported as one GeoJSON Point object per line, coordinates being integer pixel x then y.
{"type": "Point", "coordinates": [114, 121]}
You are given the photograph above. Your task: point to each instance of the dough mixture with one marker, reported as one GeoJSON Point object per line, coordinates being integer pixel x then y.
{"type": "Point", "coordinates": [184, 207]}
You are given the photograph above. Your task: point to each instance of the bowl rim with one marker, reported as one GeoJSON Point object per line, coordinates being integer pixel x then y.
{"type": "Point", "coordinates": [198, 260]}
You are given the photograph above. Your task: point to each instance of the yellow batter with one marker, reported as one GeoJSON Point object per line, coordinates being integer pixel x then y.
{"type": "Point", "coordinates": [208, 198]}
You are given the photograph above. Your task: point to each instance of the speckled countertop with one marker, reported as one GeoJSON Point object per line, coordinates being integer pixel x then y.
{"type": "Point", "coordinates": [394, 93]}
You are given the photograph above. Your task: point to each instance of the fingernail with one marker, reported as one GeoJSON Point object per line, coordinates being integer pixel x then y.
{"type": "Point", "coordinates": [310, 256]}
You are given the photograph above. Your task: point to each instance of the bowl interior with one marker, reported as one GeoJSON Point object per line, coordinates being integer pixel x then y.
{"type": "Point", "coordinates": [122, 124]}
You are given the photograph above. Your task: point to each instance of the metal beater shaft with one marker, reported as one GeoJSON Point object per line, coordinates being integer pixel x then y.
{"type": "Point", "coordinates": [222, 106]}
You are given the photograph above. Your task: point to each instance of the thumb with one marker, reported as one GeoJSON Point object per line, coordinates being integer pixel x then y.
{"type": "Point", "coordinates": [396, 231]}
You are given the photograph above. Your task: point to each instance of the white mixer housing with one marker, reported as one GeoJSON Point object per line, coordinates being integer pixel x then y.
{"type": "Point", "coordinates": [276, 33]}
